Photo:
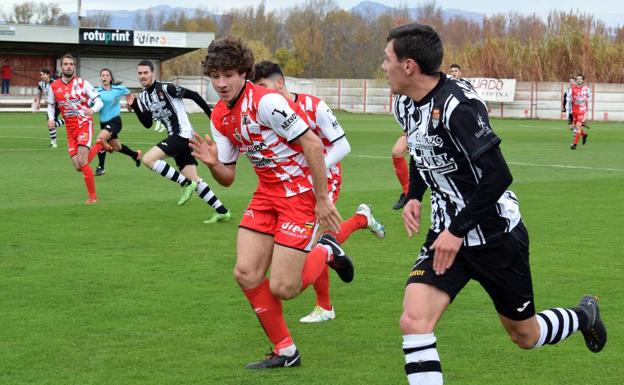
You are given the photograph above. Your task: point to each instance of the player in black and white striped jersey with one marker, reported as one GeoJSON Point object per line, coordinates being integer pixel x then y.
{"type": "Point", "coordinates": [163, 102]}
{"type": "Point", "coordinates": [476, 228]}
{"type": "Point", "coordinates": [43, 89]}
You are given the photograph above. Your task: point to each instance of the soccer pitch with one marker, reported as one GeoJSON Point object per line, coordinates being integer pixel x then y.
{"type": "Point", "coordinates": [137, 290]}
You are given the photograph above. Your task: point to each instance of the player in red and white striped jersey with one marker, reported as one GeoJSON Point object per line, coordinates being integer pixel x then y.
{"type": "Point", "coordinates": [336, 146]}
{"type": "Point", "coordinates": [581, 94]}
{"type": "Point", "coordinates": [279, 226]}
{"type": "Point", "coordinates": [72, 94]}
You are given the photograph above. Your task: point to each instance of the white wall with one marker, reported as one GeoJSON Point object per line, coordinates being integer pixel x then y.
{"type": "Point", "coordinates": [124, 70]}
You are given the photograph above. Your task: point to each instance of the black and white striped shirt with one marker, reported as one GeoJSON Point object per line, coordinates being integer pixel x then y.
{"type": "Point", "coordinates": [446, 132]}
{"type": "Point", "coordinates": [45, 88]}
{"type": "Point", "coordinates": [164, 102]}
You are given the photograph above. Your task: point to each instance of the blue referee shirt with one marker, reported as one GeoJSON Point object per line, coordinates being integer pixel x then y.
{"type": "Point", "coordinates": [111, 98]}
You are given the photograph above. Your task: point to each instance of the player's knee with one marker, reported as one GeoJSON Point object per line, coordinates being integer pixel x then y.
{"type": "Point", "coordinates": [284, 291]}
{"type": "Point", "coordinates": [246, 277]}
{"type": "Point", "coordinates": [415, 323]}
{"type": "Point", "coordinates": [148, 162]}
{"type": "Point", "coordinates": [396, 153]}
{"type": "Point", "coordinates": [524, 340]}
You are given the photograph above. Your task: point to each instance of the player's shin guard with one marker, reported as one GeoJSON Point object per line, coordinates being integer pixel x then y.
{"type": "Point", "coordinates": [268, 309]}
{"type": "Point", "coordinates": [95, 149]}
{"type": "Point", "coordinates": [316, 261]}
{"type": "Point", "coordinates": [128, 151]}
{"type": "Point", "coordinates": [87, 172]}
{"type": "Point", "coordinates": [577, 137]}
{"type": "Point", "coordinates": [422, 362]}
{"type": "Point", "coordinates": [206, 194]}
{"type": "Point", "coordinates": [52, 134]}
{"type": "Point", "coordinates": [401, 171]}
{"type": "Point", "coordinates": [348, 227]}
{"type": "Point", "coordinates": [321, 287]}
{"type": "Point", "coordinates": [101, 159]}
{"type": "Point", "coordinates": [161, 167]}
{"type": "Point", "coordinates": [555, 325]}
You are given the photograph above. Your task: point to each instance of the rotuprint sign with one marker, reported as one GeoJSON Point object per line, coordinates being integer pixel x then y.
{"type": "Point", "coordinates": [99, 36]}
{"type": "Point", "coordinates": [494, 90]}
{"type": "Point", "coordinates": [159, 39]}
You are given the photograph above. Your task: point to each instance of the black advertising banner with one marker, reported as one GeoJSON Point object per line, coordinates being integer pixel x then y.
{"type": "Point", "coordinates": [99, 36]}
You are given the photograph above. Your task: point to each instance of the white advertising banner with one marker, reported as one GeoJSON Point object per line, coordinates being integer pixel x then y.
{"type": "Point", "coordinates": [159, 39]}
{"type": "Point", "coordinates": [494, 90]}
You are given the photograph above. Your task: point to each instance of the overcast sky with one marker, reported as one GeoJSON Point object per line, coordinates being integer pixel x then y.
{"type": "Point", "coordinates": [610, 11]}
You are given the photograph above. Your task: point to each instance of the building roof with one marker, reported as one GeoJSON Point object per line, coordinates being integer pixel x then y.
{"type": "Point", "coordinates": [25, 39]}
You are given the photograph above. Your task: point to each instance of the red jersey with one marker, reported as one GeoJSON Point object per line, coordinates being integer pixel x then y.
{"type": "Point", "coordinates": [6, 72]}
{"type": "Point", "coordinates": [323, 123]}
{"type": "Point", "coordinates": [72, 99]}
{"type": "Point", "coordinates": [262, 124]}
{"type": "Point", "coordinates": [580, 98]}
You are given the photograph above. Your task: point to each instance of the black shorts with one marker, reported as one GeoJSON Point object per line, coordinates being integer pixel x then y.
{"type": "Point", "coordinates": [570, 118]}
{"type": "Point", "coordinates": [502, 270]}
{"type": "Point", "coordinates": [113, 126]}
{"type": "Point", "coordinates": [178, 148]}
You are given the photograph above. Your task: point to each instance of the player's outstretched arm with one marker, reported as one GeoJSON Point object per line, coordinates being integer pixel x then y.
{"type": "Point", "coordinates": [194, 96]}
{"type": "Point", "coordinates": [205, 149]}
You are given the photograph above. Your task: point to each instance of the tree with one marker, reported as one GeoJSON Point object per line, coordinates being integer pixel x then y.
{"type": "Point", "coordinates": [98, 19]}
{"type": "Point", "coordinates": [31, 12]}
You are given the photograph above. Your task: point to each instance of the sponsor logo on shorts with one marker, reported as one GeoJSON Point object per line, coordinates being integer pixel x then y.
{"type": "Point", "coordinates": [417, 273]}
{"type": "Point", "coordinates": [248, 213]}
{"type": "Point", "coordinates": [295, 230]}
{"type": "Point", "coordinates": [524, 306]}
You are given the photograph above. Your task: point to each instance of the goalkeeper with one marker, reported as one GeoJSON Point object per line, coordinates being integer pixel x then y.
{"type": "Point", "coordinates": [163, 102]}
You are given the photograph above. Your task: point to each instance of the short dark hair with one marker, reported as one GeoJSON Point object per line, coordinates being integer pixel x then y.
{"type": "Point", "coordinates": [45, 70]}
{"type": "Point", "coordinates": [68, 56]}
{"type": "Point", "coordinates": [229, 53]}
{"type": "Point", "coordinates": [146, 63]}
{"type": "Point", "coordinates": [420, 43]}
{"type": "Point", "coordinates": [581, 75]}
{"type": "Point", "coordinates": [454, 65]}
{"type": "Point", "coordinates": [265, 69]}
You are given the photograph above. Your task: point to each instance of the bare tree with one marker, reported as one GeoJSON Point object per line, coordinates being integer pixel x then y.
{"type": "Point", "coordinates": [31, 12]}
{"type": "Point", "coordinates": [99, 19]}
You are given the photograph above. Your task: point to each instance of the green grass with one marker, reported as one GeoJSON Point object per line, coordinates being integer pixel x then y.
{"type": "Point", "coordinates": [136, 290]}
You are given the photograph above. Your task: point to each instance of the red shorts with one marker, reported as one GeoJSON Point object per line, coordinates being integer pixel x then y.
{"type": "Point", "coordinates": [79, 136]}
{"type": "Point", "coordinates": [291, 221]}
{"type": "Point", "coordinates": [578, 116]}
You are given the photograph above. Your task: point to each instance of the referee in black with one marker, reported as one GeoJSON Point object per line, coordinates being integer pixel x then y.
{"type": "Point", "coordinates": [476, 228]}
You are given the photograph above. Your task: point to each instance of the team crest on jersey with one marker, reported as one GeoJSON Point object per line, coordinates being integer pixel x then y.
{"type": "Point", "coordinates": [435, 117]}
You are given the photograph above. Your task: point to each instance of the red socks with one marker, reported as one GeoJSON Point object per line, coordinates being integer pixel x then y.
{"type": "Point", "coordinates": [321, 287]}
{"type": "Point", "coordinates": [316, 261]}
{"type": "Point", "coordinates": [348, 227]}
{"type": "Point", "coordinates": [578, 135]}
{"type": "Point", "coordinates": [268, 309]}
{"type": "Point", "coordinates": [94, 150]}
{"type": "Point", "coordinates": [402, 173]}
{"type": "Point", "coordinates": [89, 181]}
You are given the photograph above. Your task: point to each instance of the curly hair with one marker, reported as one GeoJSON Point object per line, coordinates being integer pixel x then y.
{"type": "Point", "coordinates": [229, 53]}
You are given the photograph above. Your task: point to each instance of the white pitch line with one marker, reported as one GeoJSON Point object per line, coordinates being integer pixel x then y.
{"type": "Point", "coordinates": [515, 163]}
